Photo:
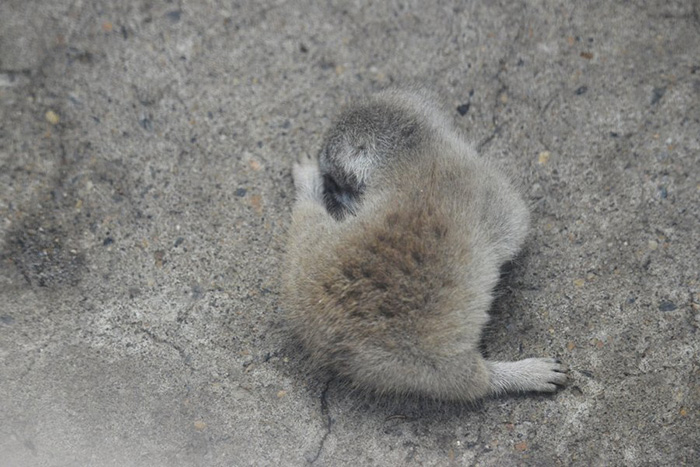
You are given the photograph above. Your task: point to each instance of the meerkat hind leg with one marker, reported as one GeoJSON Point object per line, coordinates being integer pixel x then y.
{"type": "Point", "coordinates": [468, 378]}
{"type": "Point", "coordinates": [490, 378]}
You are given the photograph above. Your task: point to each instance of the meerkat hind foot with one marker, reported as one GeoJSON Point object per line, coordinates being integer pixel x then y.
{"type": "Point", "coordinates": [531, 374]}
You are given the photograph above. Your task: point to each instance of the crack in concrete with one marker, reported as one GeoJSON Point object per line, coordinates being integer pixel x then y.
{"type": "Point", "coordinates": [329, 421]}
{"type": "Point", "coordinates": [497, 127]}
{"type": "Point", "coordinates": [483, 449]}
{"type": "Point", "coordinates": [177, 348]}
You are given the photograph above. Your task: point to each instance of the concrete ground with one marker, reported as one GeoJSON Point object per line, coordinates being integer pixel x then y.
{"type": "Point", "coordinates": [145, 152]}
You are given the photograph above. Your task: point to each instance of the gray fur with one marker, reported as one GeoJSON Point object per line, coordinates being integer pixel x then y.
{"type": "Point", "coordinates": [395, 124]}
{"type": "Point", "coordinates": [395, 296]}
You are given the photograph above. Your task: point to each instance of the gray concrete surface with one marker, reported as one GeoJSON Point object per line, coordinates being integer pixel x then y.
{"type": "Point", "coordinates": [145, 151]}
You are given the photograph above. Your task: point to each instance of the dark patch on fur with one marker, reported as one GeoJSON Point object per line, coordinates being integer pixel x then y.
{"type": "Point", "coordinates": [348, 273]}
{"type": "Point", "coordinates": [340, 193]}
{"type": "Point", "coordinates": [417, 257]}
{"type": "Point", "coordinates": [386, 311]}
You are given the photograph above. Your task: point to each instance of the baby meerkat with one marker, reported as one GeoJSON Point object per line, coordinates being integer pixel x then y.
{"type": "Point", "coordinates": [395, 295]}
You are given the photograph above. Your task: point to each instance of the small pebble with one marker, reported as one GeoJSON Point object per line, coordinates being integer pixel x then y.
{"type": "Point", "coordinates": [146, 124]}
{"type": "Point", "coordinates": [463, 109]}
{"type": "Point", "coordinates": [6, 319]}
{"type": "Point", "coordinates": [52, 117]}
{"type": "Point", "coordinates": [543, 157]}
{"type": "Point", "coordinates": [657, 94]}
{"type": "Point", "coordinates": [653, 244]}
{"type": "Point", "coordinates": [255, 165]}
{"type": "Point", "coordinates": [256, 202]}
{"type": "Point", "coordinates": [159, 257]}
{"type": "Point", "coordinates": [521, 446]}
{"type": "Point", "coordinates": [174, 16]}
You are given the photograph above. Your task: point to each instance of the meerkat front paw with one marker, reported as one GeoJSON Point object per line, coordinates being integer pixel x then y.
{"type": "Point", "coordinates": [307, 178]}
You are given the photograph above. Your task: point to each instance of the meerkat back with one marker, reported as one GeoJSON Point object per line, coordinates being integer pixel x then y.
{"type": "Point", "coordinates": [393, 293]}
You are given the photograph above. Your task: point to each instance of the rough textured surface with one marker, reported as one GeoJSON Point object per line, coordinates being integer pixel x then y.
{"type": "Point", "coordinates": [145, 150]}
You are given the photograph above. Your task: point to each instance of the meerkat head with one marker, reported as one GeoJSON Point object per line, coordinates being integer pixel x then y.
{"type": "Point", "coordinates": [346, 163]}
{"type": "Point", "coordinates": [364, 138]}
